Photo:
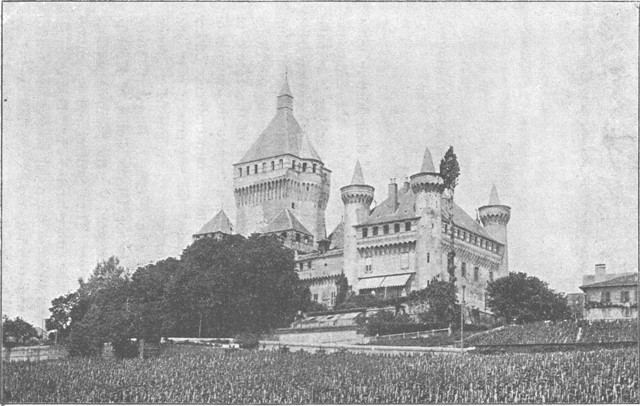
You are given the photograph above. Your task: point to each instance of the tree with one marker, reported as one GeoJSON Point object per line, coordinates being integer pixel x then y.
{"type": "Point", "coordinates": [523, 299]}
{"type": "Point", "coordinates": [450, 171]}
{"type": "Point", "coordinates": [441, 302]}
{"type": "Point", "coordinates": [236, 285]}
{"type": "Point", "coordinates": [61, 314]}
{"type": "Point", "coordinates": [17, 331]}
{"type": "Point", "coordinates": [342, 290]}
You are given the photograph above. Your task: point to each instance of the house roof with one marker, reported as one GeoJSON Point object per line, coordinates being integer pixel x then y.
{"type": "Point", "coordinates": [385, 212]}
{"type": "Point", "coordinates": [220, 223]}
{"type": "Point", "coordinates": [283, 134]}
{"type": "Point", "coordinates": [284, 221]}
{"type": "Point", "coordinates": [627, 279]}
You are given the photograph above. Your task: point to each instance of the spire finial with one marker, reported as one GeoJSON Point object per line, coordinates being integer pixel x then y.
{"type": "Point", "coordinates": [285, 98]}
{"type": "Point", "coordinates": [494, 200]}
{"type": "Point", "coordinates": [427, 162]}
{"type": "Point", "coordinates": [357, 178]}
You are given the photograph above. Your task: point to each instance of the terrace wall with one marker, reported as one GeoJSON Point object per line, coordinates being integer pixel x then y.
{"type": "Point", "coordinates": [36, 353]}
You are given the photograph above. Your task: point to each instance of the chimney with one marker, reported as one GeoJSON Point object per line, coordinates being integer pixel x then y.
{"type": "Point", "coordinates": [407, 184]}
{"type": "Point", "coordinates": [393, 194]}
{"type": "Point", "coordinates": [601, 269]}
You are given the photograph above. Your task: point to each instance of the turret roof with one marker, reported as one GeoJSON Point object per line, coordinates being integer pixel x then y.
{"type": "Point", "coordinates": [284, 221]}
{"type": "Point", "coordinates": [494, 200]}
{"type": "Point", "coordinates": [220, 223]}
{"type": "Point", "coordinates": [282, 136]}
{"type": "Point", "coordinates": [427, 162]}
{"type": "Point", "coordinates": [358, 178]}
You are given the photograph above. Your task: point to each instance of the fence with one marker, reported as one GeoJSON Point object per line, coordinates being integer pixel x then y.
{"type": "Point", "coordinates": [416, 334]}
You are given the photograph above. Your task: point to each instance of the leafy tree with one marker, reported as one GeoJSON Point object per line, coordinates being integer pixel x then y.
{"type": "Point", "coordinates": [342, 288]}
{"type": "Point", "coordinates": [17, 331]}
{"type": "Point", "coordinates": [523, 299]}
{"type": "Point", "coordinates": [441, 301]}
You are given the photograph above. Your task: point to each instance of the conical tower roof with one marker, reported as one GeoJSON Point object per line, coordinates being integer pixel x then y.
{"type": "Point", "coordinates": [220, 223]}
{"type": "Point", "coordinates": [494, 200]}
{"type": "Point", "coordinates": [358, 178]}
{"type": "Point", "coordinates": [427, 162]}
{"type": "Point", "coordinates": [283, 135]}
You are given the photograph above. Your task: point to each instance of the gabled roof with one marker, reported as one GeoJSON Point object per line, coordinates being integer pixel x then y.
{"type": "Point", "coordinates": [285, 221]}
{"type": "Point", "coordinates": [283, 135]}
{"type": "Point", "coordinates": [220, 223]}
{"type": "Point", "coordinates": [384, 212]}
{"type": "Point", "coordinates": [627, 279]}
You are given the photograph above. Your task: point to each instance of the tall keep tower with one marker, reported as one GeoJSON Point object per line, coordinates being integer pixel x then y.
{"type": "Point", "coordinates": [494, 218]}
{"type": "Point", "coordinates": [427, 185]}
{"type": "Point", "coordinates": [281, 170]}
{"type": "Point", "coordinates": [357, 198]}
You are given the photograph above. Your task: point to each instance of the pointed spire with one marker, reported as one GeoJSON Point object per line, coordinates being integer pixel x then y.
{"type": "Point", "coordinates": [357, 178]}
{"type": "Point", "coordinates": [427, 162]}
{"type": "Point", "coordinates": [494, 200]}
{"type": "Point", "coordinates": [285, 91]}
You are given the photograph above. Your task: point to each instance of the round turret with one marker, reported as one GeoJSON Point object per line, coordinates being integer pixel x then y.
{"type": "Point", "coordinates": [357, 191]}
{"type": "Point", "coordinates": [427, 180]}
{"type": "Point", "coordinates": [494, 218]}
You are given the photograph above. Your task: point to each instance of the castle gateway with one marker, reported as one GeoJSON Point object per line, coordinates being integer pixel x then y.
{"type": "Point", "coordinates": [281, 187]}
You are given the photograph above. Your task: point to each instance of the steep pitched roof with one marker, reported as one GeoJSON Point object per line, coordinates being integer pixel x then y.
{"type": "Point", "coordinates": [494, 200]}
{"type": "Point", "coordinates": [384, 212]}
{"type": "Point", "coordinates": [284, 221]}
{"type": "Point", "coordinates": [220, 223]}
{"type": "Point", "coordinates": [627, 279]}
{"type": "Point", "coordinates": [283, 134]}
{"type": "Point", "coordinates": [337, 237]}
{"type": "Point", "coordinates": [427, 162]}
{"type": "Point", "coordinates": [358, 178]}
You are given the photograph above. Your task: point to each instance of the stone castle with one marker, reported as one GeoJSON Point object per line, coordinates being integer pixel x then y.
{"type": "Point", "coordinates": [282, 187]}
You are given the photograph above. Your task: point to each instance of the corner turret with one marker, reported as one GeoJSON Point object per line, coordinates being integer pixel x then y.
{"type": "Point", "coordinates": [494, 218]}
{"type": "Point", "coordinates": [357, 198]}
{"type": "Point", "coordinates": [427, 185]}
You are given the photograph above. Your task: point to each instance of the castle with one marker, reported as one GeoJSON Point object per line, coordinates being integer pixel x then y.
{"type": "Point", "coordinates": [281, 187]}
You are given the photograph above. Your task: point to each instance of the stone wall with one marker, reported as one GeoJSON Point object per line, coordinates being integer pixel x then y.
{"type": "Point", "coordinates": [35, 353]}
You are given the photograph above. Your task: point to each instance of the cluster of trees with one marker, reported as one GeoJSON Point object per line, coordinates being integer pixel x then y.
{"type": "Point", "coordinates": [18, 332]}
{"type": "Point", "coordinates": [218, 288]}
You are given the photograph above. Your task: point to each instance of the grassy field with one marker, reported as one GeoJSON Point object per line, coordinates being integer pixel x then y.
{"type": "Point", "coordinates": [204, 375]}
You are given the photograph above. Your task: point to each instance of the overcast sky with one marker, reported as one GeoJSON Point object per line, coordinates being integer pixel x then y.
{"type": "Point", "coordinates": [121, 122]}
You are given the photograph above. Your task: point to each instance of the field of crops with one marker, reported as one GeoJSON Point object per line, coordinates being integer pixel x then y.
{"type": "Point", "coordinates": [204, 375]}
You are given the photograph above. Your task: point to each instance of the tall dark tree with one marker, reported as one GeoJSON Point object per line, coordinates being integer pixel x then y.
{"type": "Point", "coordinates": [522, 299]}
{"type": "Point", "coordinates": [450, 171]}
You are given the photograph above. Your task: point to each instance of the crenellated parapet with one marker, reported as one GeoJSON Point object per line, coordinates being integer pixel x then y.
{"type": "Point", "coordinates": [494, 215]}
{"type": "Point", "coordinates": [362, 194]}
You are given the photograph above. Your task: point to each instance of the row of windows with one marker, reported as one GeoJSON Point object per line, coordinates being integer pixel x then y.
{"type": "Point", "coordinates": [476, 272]}
{"type": "Point", "coordinates": [298, 237]}
{"type": "Point", "coordinates": [313, 167]}
{"type": "Point", "coordinates": [385, 229]}
{"type": "Point", "coordinates": [333, 298]}
{"type": "Point", "coordinates": [471, 238]}
{"type": "Point", "coordinates": [404, 262]}
{"type": "Point", "coordinates": [624, 296]}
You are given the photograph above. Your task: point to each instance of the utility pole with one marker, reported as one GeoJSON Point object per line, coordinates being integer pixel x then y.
{"type": "Point", "coordinates": [462, 321]}
{"type": "Point", "coordinates": [200, 326]}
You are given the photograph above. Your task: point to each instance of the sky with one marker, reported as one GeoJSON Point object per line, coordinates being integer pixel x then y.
{"type": "Point", "coordinates": [121, 123]}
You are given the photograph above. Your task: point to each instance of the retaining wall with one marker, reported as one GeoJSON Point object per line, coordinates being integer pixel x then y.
{"type": "Point", "coordinates": [35, 353]}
